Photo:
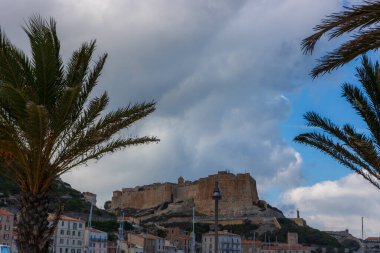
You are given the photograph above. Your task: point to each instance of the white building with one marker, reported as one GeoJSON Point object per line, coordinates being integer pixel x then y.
{"type": "Point", "coordinates": [95, 241]}
{"type": "Point", "coordinates": [68, 237]}
{"type": "Point", "coordinates": [227, 242]}
{"type": "Point", "coordinates": [372, 245]}
{"type": "Point", "coordinates": [90, 197]}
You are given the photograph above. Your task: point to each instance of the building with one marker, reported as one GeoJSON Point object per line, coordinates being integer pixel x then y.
{"type": "Point", "coordinates": [6, 227]}
{"type": "Point", "coordinates": [90, 197]}
{"type": "Point", "coordinates": [291, 246]}
{"type": "Point", "coordinates": [249, 246]}
{"type": "Point", "coordinates": [283, 248]}
{"type": "Point", "coordinates": [127, 247]}
{"type": "Point", "coordinates": [241, 189]}
{"type": "Point", "coordinates": [227, 242]}
{"type": "Point", "coordinates": [95, 241]}
{"type": "Point", "coordinates": [372, 245]}
{"type": "Point", "coordinates": [68, 236]}
{"type": "Point", "coordinates": [180, 239]}
{"type": "Point", "coordinates": [111, 247]}
{"type": "Point", "coordinates": [148, 242]}
{"type": "Point", "coordinates": [169, 247]}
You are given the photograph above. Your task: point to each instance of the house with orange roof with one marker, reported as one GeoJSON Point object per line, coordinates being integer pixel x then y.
{"type": "Point", "coordinates": [6, 227]}
{"type": "Point", "coordinates": [292, 246]}
{"type": "Point", "coordinates": [250, 246]}
{"type": "Point", "coordinates": [149, 243]}
{"type": "Point", "coordinates": [372, 244]}
{"type": "Point", "coordinates": [95, 241]}
{"type": "Point", "coordinates": [179, 238]}
{"type": "Point", "coordinates": [68, 236]}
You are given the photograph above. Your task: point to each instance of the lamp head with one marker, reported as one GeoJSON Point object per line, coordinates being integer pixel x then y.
{"type": "Point", "coordinates": [216, 195]}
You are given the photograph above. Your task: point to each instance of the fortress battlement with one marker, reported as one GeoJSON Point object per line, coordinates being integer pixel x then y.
{"type": "Point", "coordinates": [238, 192]}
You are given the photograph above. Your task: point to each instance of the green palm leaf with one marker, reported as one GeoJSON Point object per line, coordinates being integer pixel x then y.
{"type": "Point", "coordinates": [49, 123]}
{"type": "Point", "coordinates": [358, 151]}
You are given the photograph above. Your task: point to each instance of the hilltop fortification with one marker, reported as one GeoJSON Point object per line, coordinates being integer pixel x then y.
{"type": "Point", "coordinates": [239, 193]}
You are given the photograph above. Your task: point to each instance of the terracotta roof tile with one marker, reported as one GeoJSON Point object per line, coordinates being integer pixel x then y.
{"type": "Point", "coordinates": [5, 212]}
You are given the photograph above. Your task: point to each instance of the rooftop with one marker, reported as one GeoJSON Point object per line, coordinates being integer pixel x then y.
{"type": "Point", "coordinates": [63, 217]}
{"type": "Point", "coordinates": [221, 233]}
{"type": "Point", "coordinates": [5, 212]}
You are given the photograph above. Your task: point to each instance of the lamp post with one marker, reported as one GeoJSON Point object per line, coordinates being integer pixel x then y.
{"type": "Point", "coordinates": [216, 195]}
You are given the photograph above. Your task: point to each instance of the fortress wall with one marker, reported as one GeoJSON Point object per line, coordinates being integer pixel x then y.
{"type": "Point", "coordinates": [238, 193]}
{"type": "Point", "coordinates": [147, 196]}
{"type": "Point", "coordinates": [185, 192]}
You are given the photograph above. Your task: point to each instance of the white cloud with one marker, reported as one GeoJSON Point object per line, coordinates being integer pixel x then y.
{"type": "Point", "coordinates": [338, 205]}
{"type": "Point", "coordinates": [217, 69]}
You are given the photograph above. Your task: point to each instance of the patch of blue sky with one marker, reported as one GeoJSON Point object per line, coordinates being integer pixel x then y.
{"type": "Point", "coordinates": [324, 96]}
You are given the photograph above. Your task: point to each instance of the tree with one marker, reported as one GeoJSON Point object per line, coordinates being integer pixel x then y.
{"type": "Point", "coordinates": [50, 123]}
{"type": "Point", "coordinates": [362, 21]}
{"type": "Point", "coordinates": [358, 151]}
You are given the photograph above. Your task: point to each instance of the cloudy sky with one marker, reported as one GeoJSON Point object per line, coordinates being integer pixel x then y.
{"type": "Point", "coordinates": [231, 85]}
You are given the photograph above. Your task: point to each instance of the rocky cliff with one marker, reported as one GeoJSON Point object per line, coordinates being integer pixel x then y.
{"type": "Point", "coordinates": [239, 195]}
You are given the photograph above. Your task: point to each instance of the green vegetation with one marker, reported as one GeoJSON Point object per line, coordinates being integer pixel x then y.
{"type": "Point", "coordinates": [161, 233]}
{"type": "Point", "coordinates": [51, 122]}
{"type": "Point", "coordinates": [7, 186]}
{"type": "Point", "coordinates": [200, 228]}
{"type": "Point", "coordinates": [245, 230]}
{"type": "Point", "coordinates": [306, 234]}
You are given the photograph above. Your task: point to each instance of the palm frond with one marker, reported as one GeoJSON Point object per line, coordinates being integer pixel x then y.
{"type": "Point", "coordinates": [336, 24]}
{"type": "Point", "coordinates": [46, 59]}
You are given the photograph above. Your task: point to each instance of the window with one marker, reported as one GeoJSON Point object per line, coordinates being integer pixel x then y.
{"type": "Point", "coordinates": [7, 218]}
{"type": "Point", "coordinates": [73, 233]}
{"type": "Point", "coordinates": [62, 232]}
{"type": "Point", "coordinates": [78, 233]}
{"type": "Point", "coordinates": [68, 232]}
{"type": "Point", "coordinates": [61, 241]}
{"type": "Point", "coordinates": [78, 251]}
{"type": "Point", "coordinates": [66, 250]}
{"type": "Point", "coordinates": [60, 250]}
{"type": "Point", "coordinates": [74, 243]}
{"type": "Point", "coordinates": [72, 250]}
{"type": "Point", "coordinates": [6, 236]}
{"type": "Point", "coordinates": [75, 226]}
{"type": "Point", "coordinates": [63, 223]}
{"type": "Point", "coordinates": [80, 225]}
{"type": "Point", "coordinates": [79, 242]}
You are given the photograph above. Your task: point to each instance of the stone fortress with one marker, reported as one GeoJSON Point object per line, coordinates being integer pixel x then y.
{"type": "Point", "coordinates": [239, 193]}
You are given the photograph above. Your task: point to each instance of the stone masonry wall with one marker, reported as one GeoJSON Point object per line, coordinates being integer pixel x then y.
{"type": "Point", "coordinates": [238, 192]}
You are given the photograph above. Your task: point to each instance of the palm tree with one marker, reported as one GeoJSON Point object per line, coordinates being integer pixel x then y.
{"type": "Point", "coordinates": [362, 21]}
{"type": "Point", "coordinates": [50, 124]}
{"type": "Point", "coordinates": [359, 151]}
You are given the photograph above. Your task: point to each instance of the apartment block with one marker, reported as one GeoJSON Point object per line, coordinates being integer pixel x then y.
{"type": "Point", "coordinates": [95, 241]}
{"type": "Point", "coordinates": [227, 242]}
{"type": "Point", "coordinates": [68, 237]}
{"type": "Point", "coordinates": [149, 243]}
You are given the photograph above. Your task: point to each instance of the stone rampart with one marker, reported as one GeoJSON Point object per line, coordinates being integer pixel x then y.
{"type": "Point", "coordinates": [239, 192]}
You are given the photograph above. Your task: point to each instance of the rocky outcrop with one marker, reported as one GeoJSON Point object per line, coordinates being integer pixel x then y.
{"type": "Point", "coordinates": [239, 195]}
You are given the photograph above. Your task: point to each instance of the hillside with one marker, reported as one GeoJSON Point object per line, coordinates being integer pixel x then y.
{"type": "Point", "coordinates": [72, 200]}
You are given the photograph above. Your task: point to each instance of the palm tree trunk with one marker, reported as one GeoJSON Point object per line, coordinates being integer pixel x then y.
{"type": "Point", "coordinates": [33, 228]}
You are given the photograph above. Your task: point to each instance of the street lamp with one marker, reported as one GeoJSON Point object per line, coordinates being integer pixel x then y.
{"type": "Point", "coordinates": [216, 195]}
